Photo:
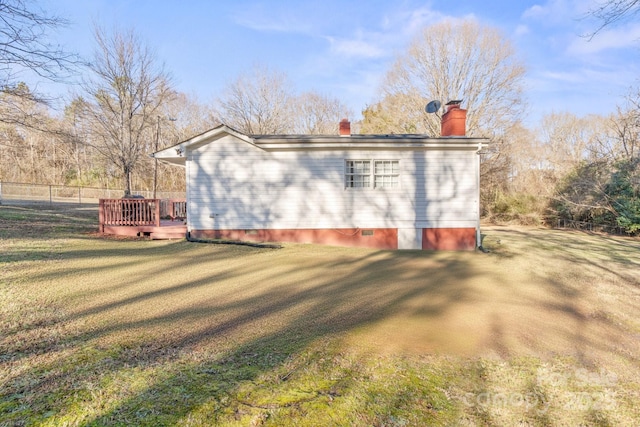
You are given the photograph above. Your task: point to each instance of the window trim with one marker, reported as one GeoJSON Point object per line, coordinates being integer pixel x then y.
{"type": "Point", "coordinates": [350, 172]}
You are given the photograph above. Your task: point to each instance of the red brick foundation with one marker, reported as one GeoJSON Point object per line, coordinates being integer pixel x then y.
{"type": "Point", "coordinates": [449, 239]}
{"type": "Point", "coordinates": [380, 238]}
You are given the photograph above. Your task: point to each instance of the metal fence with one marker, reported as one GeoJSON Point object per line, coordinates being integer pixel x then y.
{"type": "Point", "coordinates": [13, 193]}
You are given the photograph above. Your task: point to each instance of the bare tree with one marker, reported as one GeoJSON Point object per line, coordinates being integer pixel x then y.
{"type": "Point", "coordinates": [188, 117]}
{"type": "Point", "coordinates": [25, 49]}
{"type": "Point", "coordinates": [452, 60]}
{"type": "Point", "coordinates": [32, 154]}
{"type": "Point", "coordinates": [316, 114]}
{"type": "Point", "coordinates": [624, 134]}
{"type": "Point", "coordinates": [610, 12]}
{"type": "Point", "coordinates": [264, 101]}
{"type": "Point", "coordinates": [616, 137]}
{"type": "Point", "coordinates": [258, 102]}
{"type": "Point", "coordinates": [127, 89]}
{"type": "Point", "coordinates": [627, 126]}
{"type": "Point", "coordinates": [565, 140]}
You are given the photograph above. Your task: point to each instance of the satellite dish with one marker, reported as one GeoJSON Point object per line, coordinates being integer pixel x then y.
{"type": "Point", "coordinates": [433, 106]}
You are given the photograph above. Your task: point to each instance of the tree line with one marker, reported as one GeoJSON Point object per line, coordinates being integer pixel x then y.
{"type": "Point", "coordinates": [581, 168]}
{"type": "Point", "coordinates": [127, 108]}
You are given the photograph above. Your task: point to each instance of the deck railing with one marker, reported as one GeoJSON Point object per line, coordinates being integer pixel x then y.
{"type": "Point", "coordinates": [137, 212]}
{"type": "Point", "coordinates": [173, 208]}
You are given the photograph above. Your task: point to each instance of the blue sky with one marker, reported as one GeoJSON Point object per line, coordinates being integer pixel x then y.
{"type": "Point", "coordinates": [344, 48]}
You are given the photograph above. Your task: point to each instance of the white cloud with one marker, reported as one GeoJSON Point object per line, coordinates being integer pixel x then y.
{"type": "Point", "coordinates": [394, 30]}
{"type": "Point", "coordinates": [549, 12]}
{"type": "Point", "coordinates": [615, 38]}
{"type": "Point", "coordinates": [258, 18]}
{"type": "Point", "coordinates": [534, 12]}
{"type": "Point", "coordinates": [522, 30]}
{"type": "Point", "coordinates": [355, 48]}
{"type": "Point", "coordinates": [583, 80]}
{"type": "Point", "coordinates": [557, 11]}
{"type": "Point", "coordinates": [564, 77]}
{"type": "Point", "coordinates": [279, 26]}
{"type": "Point", "coordinates": [421, 17]}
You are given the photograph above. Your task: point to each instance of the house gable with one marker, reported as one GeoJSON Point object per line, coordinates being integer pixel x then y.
{"type": "Point", "coordinates": [177, 154]}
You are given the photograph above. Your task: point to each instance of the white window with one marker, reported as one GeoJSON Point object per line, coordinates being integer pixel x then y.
{"type": "Point", "coordinates": [386, 174]}
{"type": "Point", "coordinates": [382, 174]}
{"type": "Point", "coordinates": [358, 174]}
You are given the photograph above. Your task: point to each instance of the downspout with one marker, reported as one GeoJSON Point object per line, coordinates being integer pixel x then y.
{"type": "Point", "coordinates": [478, 233]}
{"type": "Point", "coordinates": [187, 167]}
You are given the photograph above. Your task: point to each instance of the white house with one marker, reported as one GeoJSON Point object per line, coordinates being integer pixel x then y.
{"type": "Point", "coordinates": [381, 191]}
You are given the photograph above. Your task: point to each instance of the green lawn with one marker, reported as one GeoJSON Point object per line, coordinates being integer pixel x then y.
{"type": "Point", "coordinates": [543, 330]}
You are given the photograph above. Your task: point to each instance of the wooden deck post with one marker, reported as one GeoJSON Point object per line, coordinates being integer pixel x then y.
{"type": "Point", "coordinates": [101, 215]}
{"type": "Point", "coordinates": [157, 212]}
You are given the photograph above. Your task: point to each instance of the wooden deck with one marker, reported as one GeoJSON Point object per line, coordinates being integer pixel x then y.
{"type": "Point", "coordinates": [156, 218]}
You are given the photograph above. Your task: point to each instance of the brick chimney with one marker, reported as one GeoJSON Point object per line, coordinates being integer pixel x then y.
{"type": "Point", "coordinates": [454, 121]}
{"type": "Point", "coordinates": [345, 127]}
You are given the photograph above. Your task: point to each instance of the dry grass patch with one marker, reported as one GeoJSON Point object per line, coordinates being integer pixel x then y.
{"type": "Point", "coordinates": [541, 331]}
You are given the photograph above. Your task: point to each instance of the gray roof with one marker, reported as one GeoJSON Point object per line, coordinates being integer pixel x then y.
{"type": "Point", "coordinates": [176, 153]}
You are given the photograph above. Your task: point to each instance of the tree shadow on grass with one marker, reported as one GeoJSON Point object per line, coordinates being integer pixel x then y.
{"type": "Point", "coordinates": [232, 328]}
{"type": "Point", "coordinates": [330, 310]}
{"type": "Point", "coordinates": [618, 256]}
{"type": "Point", "coordinates": [247, 335]}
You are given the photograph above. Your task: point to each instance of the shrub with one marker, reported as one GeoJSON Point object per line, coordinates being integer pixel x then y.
{"type": "Point", "coordinates": [605, 193]}
{"type": "Point", "coordinates": [519, 208]}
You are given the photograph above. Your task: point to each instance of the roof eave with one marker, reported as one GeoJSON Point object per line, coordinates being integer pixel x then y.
{"type": "Point", "coordinates": [375, 142]}
{"type": "Point", "coordinates": [175, 154]}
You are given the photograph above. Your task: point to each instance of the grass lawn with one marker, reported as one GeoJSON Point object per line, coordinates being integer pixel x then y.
{"type": "Point", "coordinates": [543, 330]}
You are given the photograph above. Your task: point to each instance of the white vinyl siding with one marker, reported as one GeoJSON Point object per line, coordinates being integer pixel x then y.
{"type": "Point", "coordinates": [236, 185]}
